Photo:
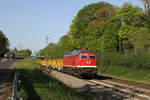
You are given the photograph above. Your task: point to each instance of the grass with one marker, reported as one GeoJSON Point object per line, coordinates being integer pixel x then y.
{"type": "Point", "coordinates": [125, 73]}
{"type": "Point", "coordinates": [36, 85]}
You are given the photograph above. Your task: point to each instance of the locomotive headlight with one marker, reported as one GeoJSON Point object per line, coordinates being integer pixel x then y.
{"type": "Point", "coordinates": [88, 62]}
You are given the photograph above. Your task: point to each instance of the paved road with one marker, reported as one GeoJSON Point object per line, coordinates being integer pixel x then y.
{"type": "Point", "coordinates": [5, 75]}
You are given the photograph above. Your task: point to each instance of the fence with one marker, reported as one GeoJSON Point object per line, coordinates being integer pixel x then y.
{"type": "Point", "coordinates": [16, 94]}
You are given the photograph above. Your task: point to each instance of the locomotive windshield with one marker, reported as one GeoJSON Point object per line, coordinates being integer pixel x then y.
{"type": "Point", "coordinates": [92, 56]}
{"type": "Point", "coordinates": [84, 56]}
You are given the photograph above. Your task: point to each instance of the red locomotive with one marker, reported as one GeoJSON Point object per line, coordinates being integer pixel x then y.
{"type": "Point", "coordinates": [80, 63]}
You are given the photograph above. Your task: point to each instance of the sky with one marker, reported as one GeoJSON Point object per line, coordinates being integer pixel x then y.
{"type": "Point", "coordinates": [26, 23]}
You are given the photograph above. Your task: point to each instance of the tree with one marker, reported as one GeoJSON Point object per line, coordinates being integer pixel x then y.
{"type": "Point", "coordinates": [26, 52]}
{"type": "Point", "coordinates": [140, 38]}
{"type": "Point", "coordinates": [65, 43]}
{"type": "Point", "coordinates": [90, 23]}
{"type": "Point", "coordinates": [3, 44]}
{"type": "Point", "coordinates": [146, 6]}
{"type": "Point", "coordinates": [130, 16]}
{"type": "Point", "coordinates": [104, 27]}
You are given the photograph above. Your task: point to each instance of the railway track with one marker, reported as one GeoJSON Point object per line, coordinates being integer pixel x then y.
{"type": "Point", "coordinates": [127, 90]}
{"type": "Point", "coordinates": [133, 92]}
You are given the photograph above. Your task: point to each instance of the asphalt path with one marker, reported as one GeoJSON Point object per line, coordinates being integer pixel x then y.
{"type": "Point", "coordinates": [5, 75]}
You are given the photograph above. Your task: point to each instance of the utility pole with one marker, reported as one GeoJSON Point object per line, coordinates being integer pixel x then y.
{"type": "Point", "coordinates": [46, 46]}
{"type": "Point", "coordinates": [47, 40]}
{"type": "Point", "coordinates": [20, 46]}
{"type": "Point", "coordinates": [102, 55]}
{"type": "Point", "coordinates": [120, 45]}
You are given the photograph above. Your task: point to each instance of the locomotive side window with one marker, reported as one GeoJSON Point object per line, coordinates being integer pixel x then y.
{"type": "Point", "coordinates": [84, 56]}
{"type": "Point", "coordinates": [92, 56]}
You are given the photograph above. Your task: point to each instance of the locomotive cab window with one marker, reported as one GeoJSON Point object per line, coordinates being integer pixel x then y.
{"type": "Point", "coordinates": [92, 56]}
{"type": "Point", "coordinates": [84, 56]}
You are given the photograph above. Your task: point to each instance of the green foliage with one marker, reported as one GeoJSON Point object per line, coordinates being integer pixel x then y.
{"type": "Point", "coordinates": [3, 44]}
{"type": "Point", "coordinates": [89, 24]}
{"type": "Point", "coordinates": [130, 14]}
{"type": "Point", "coordinates": [65, 43]}
{"type": "Point", "coordinates": [56, 51]}
{"type": "Point", "coordinates": [26, 52]}
{"type": "Point", "coordinates": [129, 60]}
{"type": "Point", "coordinates": [104, 27]}
{"type": "Point", "coordinates": [120, 25]}
{"type": "Point", "coordinates": [140, 38]}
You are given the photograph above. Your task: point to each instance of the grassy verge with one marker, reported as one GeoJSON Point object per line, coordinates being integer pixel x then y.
{"type": "Point", "coordinates": [131, 74]}
{"type": "Point", "coordinates": [36, 85]}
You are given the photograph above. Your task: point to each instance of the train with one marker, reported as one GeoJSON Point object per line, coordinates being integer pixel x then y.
{"type": "Point", "coordinates": [77, 62]}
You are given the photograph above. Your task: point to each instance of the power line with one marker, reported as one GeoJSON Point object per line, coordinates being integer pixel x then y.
{"type": "Point", "coordinates": [47, 40]}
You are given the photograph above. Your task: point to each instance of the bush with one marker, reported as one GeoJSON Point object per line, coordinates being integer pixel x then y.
{"type": "Point", "coordinates": [130, 60]}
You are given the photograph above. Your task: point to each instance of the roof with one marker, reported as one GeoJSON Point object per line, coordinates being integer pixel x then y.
{"type": "Point", "coordinates": [75, 52]}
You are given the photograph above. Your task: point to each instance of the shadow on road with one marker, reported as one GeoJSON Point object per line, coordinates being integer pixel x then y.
{"type": "Point", "coordinates": [6, 75]}
{"type": "Point", "coordinates": [6, 71]}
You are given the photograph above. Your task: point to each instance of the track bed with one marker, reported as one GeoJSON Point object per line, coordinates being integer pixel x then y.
{"type": "Point", "coordinates": [104, 88]}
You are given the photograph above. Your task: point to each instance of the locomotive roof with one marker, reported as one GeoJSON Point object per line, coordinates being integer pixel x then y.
{"type": "Point", "coordinates": [75, 52]}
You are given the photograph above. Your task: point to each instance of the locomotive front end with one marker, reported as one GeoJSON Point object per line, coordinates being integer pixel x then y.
{"type": "Point", "coordinates": [87, 64]}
